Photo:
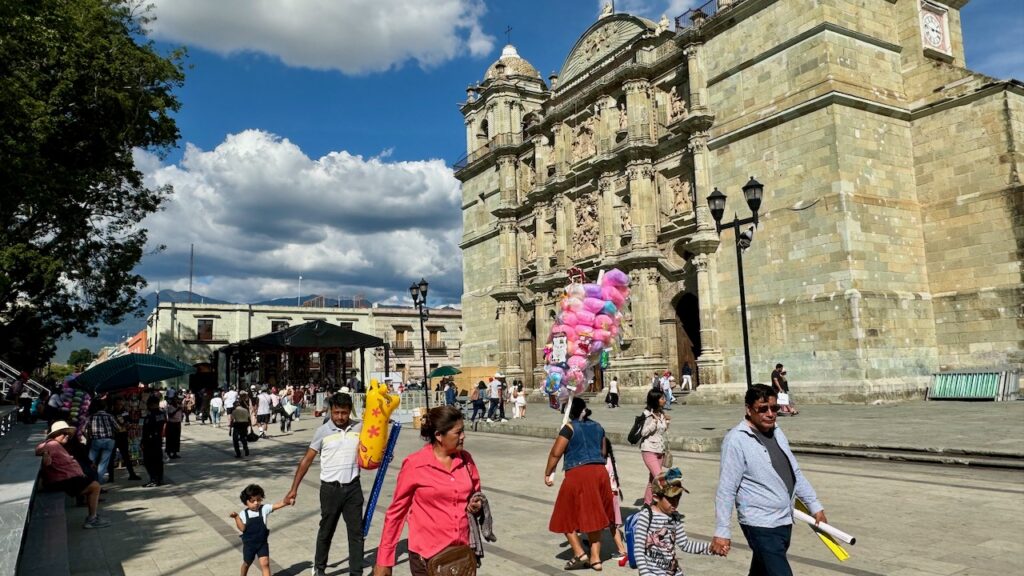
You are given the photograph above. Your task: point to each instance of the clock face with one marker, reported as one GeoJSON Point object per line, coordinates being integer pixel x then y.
{"type": "Point", "coordinates": [931, 28]}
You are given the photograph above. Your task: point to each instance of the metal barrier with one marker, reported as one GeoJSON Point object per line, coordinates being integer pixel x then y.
{"type": "Point", "coordinates": [8, 374]}
{"type": "Point", "coordinates": [975, 385]}
{"type": "Point", "coordinates": [8, 414]}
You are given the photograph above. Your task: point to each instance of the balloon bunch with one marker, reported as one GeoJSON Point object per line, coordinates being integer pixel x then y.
{"type": "Point", "coordinates": [584, 331]}
{"type": "Point", "coordinates": [76, 402]}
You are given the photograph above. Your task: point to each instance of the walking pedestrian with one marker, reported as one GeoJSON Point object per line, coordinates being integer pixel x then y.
{"type": "Point", "coordinates": [687, 373]}
{"type": "Point", "coordinates": [341, 494]}
{"type": "Point", "coordinates": [659, 530]}
{"type": "Point", "coordinates": [450, 394]}
{"type": "Point", "coordinates": [477, 397]}
{"type": "Point", "coordinates": [613, 476]}
{"type": "Point", "coordinates": [584, 503]}
{"type": "Point", "coordinates": [286, 411]}
{"type": "Point", "coordinates": [120, 414]}
{"type": "Point", "coordinates": [613, 392]}
{"type": "Point", "coordinates": [152, 442]}
{"type": "Point", "coordinates": [240, 423]}
{"type": "Point", "coordinates": [494, 398]}
{"type": "Point", "coordinates": [100, 431]}
{"type": "Point", "coordinates": [760, 477]}
{"type": "Point", "coordinates": [252, 523]}
{"type": "Point", "coordinates": [781, 386]}
{"type": "Point", "coordinates": [275, 405]}
{"type": "Point", "coordinates": [652, 446]}
{"type": "Point", "coordinates": [216, 409]}
{"type": "Point", "coordinates": [263, 409]}
{"type": "Point", "coordinates": [175, 413]}
{"type": "Point", "coordinates": [437, 494]}
{"type": "Point", "coordinates": [666, 389]}
{"type": "Point", "coordinates": [188, 406]}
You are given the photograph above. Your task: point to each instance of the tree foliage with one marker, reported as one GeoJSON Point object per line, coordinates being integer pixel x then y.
{"type": "Point", "coordinates": [81, 357]}
{"type": "Point", "coordinates": [81, 88]}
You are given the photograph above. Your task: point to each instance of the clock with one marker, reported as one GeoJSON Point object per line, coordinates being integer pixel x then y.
{"type": "Point", "coordinates": [933, 31]}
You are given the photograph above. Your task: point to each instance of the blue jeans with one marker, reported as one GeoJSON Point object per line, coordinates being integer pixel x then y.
{"type": "Point", "coordinates": [100, 453]}
{"type": "Point", "coordinates": [215, 415]}
{"type": "Point", "coordinates": [769, 546]}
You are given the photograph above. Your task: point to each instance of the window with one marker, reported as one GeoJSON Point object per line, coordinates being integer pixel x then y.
{"type": "Point", "coordinates": [204, 330]}
{"type": "Point", "coordinates": [435, 337]}
{"type": "Point", "coordinates": [278, 325]}
{"type": "Point", "coordinates": [346, 325]}
{"type": "Point", "coordinates": [400, 336]}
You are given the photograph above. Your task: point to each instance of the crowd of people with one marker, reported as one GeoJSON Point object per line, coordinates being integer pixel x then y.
{"type": "Point", "coordinates": [438, 490]}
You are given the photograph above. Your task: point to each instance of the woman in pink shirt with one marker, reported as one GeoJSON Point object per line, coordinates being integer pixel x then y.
{"type": "Point", "coordinates": [434, 495]}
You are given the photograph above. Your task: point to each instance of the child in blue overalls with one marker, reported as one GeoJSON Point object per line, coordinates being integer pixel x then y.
{"type": "Point", "coordinates": [252, 523]}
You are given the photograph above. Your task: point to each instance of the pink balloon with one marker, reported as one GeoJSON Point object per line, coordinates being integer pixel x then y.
{"type": "Point", "coordinates": [593, 305]}
{"type": "Point", "coordinates": [603, 321]}
{"type": "Point", "coordinates": [592, 290]}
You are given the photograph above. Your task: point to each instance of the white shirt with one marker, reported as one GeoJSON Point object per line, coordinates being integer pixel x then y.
{"type": "Point", "coordinates": [339, 450]}
{"type": "Point", "coordinates": [613, 386]}
{"type": "Point", "coordinates": [230, 397]}
{"type": "Point", "coordinates": [264, 407]}
{"type": "Point", "coordinates": [264, 511]}
{"type": "Point", "coordinates": [216, 402]}
{"type": "Point", "coordinates": [494, 390]}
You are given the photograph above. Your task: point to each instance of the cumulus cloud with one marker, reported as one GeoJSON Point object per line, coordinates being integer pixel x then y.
{"type": "Point", "coordinates": [352, 36]}
{"type": "Point", "coordinates": [261, 213]}
{"type": "Point", "coordinates": [652, 9]}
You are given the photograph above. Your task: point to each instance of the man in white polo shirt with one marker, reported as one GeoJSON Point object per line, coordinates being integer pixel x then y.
{"type": "Point", "coordinates": [341, 495]}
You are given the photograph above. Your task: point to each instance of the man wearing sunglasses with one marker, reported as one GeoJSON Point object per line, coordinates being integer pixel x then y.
{"type": "Point", "coordinates": [761, 478]}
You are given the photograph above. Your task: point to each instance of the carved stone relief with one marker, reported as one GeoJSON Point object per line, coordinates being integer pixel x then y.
{"type": "Point", "coordinates": [583, 146]}
{"type": "Point", "coordinates": [677, 106]}
{"type": "Point", "coordinates": [682, 196]}
{"type": "Point", "coordinates": [585, 237]}
{"type": "Point", "coordinates": [625, 220]}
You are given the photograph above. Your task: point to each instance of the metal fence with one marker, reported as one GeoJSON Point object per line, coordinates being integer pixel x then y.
{"type": "Point", "coordinates": [975, 385]}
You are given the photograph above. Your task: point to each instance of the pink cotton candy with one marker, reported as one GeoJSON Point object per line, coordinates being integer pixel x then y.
{"type": "Point", "coordinates": [573, 304]}
{"type": "Point", "coordinates": [602, 336]}
{"type": "Point", "coordinates": [577, 362]}
{"type": "Point", "coordinates": [576, 291]}
{"type": "Point", "coordinates": [603, 321]}
{"type": "Point", "coordinates": [613, 294]}
{"type": "Point", "coordinates": [592, 290]}
{"type": "Point", "coordinates": [615, 277]}
{"type": "Point", "coordinates": [569, 318]}
{"type": "Point", "coordinates": [585, 319]}
{"type": "Point", "coordinates": [593, 305]}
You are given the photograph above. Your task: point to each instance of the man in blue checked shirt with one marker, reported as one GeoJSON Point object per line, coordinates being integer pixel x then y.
{"type": "Point", "coordinates": [761, 478]}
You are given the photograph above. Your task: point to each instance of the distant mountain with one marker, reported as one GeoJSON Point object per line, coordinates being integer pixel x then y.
{"type": "Point", "coordinates": [318, 301]}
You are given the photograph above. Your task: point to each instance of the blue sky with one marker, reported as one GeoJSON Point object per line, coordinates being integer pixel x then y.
{"type": "Point", "coordinates": [317, 134]}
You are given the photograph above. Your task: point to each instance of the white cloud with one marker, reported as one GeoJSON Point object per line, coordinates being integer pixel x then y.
{"type": "Point", "coordinates": [652, 9]}
{"type": "Point", "coordinates": [352, 36]}
{"type": "Point", "coordinates": [261, 213]}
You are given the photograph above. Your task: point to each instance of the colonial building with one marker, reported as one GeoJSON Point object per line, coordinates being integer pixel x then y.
{"type": "Point", "coordinates": [193, 332]}
{"type": "Point", "coordinates": [890, 232]}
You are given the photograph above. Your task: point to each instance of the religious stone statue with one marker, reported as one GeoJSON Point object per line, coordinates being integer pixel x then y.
{"type": "Point", "coordinates": [585, 235]}
{"type": "Point", "coordinates": [625, 220]}
{"type": "Point", "coordinates": [531, 248]}
{"type": "Point", "coordinates": [623, 119]}
{"type": "Point", "coordinates": [531, 177]}
{"type": "Point", "coordinates": [606, 11]}
{"type": "Point", "coordinates": [682, 203]}
{"type": "Point", "coordinates": [663, 25]}
{"type": "Point", "coordinates": [677, 106]}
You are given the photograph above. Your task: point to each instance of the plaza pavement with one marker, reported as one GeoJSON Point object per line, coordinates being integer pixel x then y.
{"type": "Point", "coordinates": [910, 519]}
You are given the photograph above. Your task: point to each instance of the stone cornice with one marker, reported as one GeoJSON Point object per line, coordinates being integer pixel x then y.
{"type": "Point", "coordinates": [483, 236]}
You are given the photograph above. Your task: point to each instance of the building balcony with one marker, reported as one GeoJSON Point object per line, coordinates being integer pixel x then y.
{"type": "Point", "coordinates": [212, 338]}
{"type": "Point", "coordinates": [437, 348]}
{"type": "Point", "coordinates": [402, 347]}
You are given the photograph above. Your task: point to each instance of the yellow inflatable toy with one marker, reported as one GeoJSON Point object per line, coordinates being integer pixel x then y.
{"type": "Point", "coordinates": [374, 437]}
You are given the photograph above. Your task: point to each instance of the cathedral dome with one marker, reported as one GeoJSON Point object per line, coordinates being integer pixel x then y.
{"type": "Point", "coordinates": [513, 63]}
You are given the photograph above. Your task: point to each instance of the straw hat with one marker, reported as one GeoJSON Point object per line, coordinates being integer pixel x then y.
{"type": "Point", "coordinates": [59, 427]}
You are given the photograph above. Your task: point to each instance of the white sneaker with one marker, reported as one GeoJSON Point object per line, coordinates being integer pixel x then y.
{"type": "Point", "coordinates": [504, 419]}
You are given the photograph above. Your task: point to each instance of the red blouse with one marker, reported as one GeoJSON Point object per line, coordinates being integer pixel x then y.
{"type": "Point", "coordinates": [433, 500]}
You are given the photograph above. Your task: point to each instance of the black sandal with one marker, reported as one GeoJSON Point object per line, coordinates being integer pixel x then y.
{"type": "Point", "coordinates": [596, 566]}
{"type": "Point", "coordinates": [578, 563]}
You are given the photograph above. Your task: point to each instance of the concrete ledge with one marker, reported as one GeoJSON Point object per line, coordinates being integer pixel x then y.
{"type": "Point", "coordinates": [19, 468]}
{"type": "Point", "coordinates": [46, 537]}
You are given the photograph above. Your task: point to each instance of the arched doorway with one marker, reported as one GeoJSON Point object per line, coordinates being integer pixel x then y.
{"type": "Point", "coordinates": [528, 351]}
{"type": "Point", "coordinates": [688, 333]}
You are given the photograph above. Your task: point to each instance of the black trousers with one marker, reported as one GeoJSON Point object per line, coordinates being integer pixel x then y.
{"type": "Point", "coordinates": [339, 501]}
{"type": "Point", "coordinates": [613, 398]}
{"type": "Point", "coordinates": [769, 547]}
{"type": "Point", "coordinates": [121, 447]}
{"type": "Point", "coordinates": [239, 435]}
{"type": "Point", "coordinates": [153, 460]}
{"type": "Point", "coordinates": [173, 438]}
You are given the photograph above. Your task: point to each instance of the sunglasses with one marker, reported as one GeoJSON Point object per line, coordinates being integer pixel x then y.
{"type": "Point", "coordinates": [763, 409]}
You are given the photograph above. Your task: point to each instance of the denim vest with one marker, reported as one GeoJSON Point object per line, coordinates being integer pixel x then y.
{"type": "Point", "coordinates": [585, 445]}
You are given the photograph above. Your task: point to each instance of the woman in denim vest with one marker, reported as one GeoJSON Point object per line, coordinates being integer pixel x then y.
{"type": "Point", "coordinates": [584, 502]}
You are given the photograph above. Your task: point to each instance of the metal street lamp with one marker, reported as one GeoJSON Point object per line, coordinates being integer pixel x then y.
{"type": "Point", "coordinates": [419, 300]}
{"type": "Point", "coordinates": [752, 192]}
{"type": "Point", "coordinates": [298, 299]}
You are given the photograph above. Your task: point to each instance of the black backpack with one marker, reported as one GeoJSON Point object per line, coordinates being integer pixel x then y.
{"type": "Point", "coordinates": [634, 436]}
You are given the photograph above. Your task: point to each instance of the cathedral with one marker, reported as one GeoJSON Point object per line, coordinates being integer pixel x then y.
{"type": "Point", "coordinates": [887, 244]}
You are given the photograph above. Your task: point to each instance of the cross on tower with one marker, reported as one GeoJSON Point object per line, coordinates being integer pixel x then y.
{"type": "Point", "coordinates": [508, 35]}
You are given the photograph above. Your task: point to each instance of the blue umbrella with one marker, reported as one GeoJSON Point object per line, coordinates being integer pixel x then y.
{"type": "Point", "coordinates": [131, 370]}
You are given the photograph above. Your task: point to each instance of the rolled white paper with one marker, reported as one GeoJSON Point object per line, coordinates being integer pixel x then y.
{"type": "Point", "coordinates": [826, 528]}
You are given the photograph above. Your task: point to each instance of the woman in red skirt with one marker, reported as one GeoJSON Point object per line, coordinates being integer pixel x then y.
{"type": "Point", "coordinates": [584, 502]}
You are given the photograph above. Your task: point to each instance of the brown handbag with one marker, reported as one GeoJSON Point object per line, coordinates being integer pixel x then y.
{"type": "Point", "coordinates": [459, 560]}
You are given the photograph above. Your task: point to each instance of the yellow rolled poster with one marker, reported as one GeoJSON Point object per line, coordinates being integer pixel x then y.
{"type": "Point", "coordinates": [374, 436]}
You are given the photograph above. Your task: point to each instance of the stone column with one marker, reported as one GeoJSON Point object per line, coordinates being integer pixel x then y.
{"type": "Point", "coordinates": [697, 76]}
{"type": "Point", "coordinates": [543, 236]}
{"type": "Point", "coordinates": [508, 337]}
{"type": "Point", "coordinates": [643, 203]}
{"type": "Point", "coordinates": [609, 215]}
{"type": "Point", "coordinates": [638, 108]}
{"type": "Point", "coordinates": [507, 190]}
{"type": "Point", "coordinates": [711, 363]}
{"type": "Point", "coordinates": [508, 251]}
{"type": "Point", "coordinates": [561, 231]}
{"type": "Point", "coordinates": [646, 314]}
{"type": "Point", "coordinates": [470, 137]}
{"type": "Point", "coordinates": [540, 159]}
{"type": "Point", "coordinates": [562, 147]}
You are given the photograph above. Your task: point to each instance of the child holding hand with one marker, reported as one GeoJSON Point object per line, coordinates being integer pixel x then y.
{"type": "Point", "coordinates": [252, 523]}
{"type": "Point", "coordinates": [659, 530]}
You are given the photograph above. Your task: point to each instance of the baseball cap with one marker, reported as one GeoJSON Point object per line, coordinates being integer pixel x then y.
{"type": "Point", "coordinates": [669, 484]}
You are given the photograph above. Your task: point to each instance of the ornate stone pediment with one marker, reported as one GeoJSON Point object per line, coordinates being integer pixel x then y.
{"type": "Point", "coordinates": [601, 40]}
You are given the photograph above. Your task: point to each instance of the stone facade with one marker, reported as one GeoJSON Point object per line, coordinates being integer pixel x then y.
{"type": "Point", "coordinates": [890, 234]}
{"type": "Point", "coordinates": [193, 332]}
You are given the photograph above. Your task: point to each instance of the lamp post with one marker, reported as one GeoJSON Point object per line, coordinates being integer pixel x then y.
{"type": "Point", "coordinates": [419, 300]}
{"type": "Point", "coordinates": [752, 192]}
{"type": "Point", "coordinates": [298, 299]}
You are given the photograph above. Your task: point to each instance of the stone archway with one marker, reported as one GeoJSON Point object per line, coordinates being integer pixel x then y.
{"type": "Point", "coordinates": [688, 344]}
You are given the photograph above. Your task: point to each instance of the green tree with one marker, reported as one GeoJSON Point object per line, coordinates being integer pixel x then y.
{"type": "Point", "coordinates": [81, 89]}
{"type": "Point", "coordinates": [81, 357]}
